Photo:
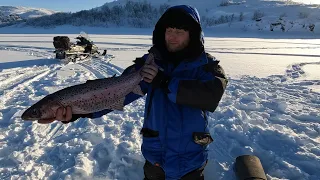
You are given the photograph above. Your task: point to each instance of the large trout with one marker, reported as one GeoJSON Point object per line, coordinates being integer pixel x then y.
{"type": "Point", "coordinates": [89, 97]}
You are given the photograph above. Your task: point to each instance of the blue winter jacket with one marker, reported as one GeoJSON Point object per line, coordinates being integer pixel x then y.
{"type": "Point", "coordinates": [175, 132]}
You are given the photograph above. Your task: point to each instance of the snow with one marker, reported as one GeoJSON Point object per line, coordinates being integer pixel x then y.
{"type": "Point", "coordinates": [25, 12]}
{"type": "Point", "coordinates": [277, 16]}
{"type": "Point", "coordinates": [206, 7]}
{"type": "Point", "coordinates": [271, 107]}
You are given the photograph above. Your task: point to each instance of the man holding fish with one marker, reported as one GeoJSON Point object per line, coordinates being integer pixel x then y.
{"type": "Point", "coordinates": [183, 84]}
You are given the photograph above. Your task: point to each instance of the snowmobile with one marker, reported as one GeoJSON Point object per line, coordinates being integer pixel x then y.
{"type": "Point", "coordinates": [82, 49]}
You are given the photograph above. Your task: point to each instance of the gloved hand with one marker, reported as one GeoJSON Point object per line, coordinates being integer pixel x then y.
{"type": "Point", "coordinates": [150, 70]}
{"type": "Point", "coordinates": [160, 80]}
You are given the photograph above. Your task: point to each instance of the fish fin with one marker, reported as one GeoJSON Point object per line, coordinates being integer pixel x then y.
{"type": "Point", "coordinates": [118, 105]}
{"type": "Point", "coordinates": [137, 90]}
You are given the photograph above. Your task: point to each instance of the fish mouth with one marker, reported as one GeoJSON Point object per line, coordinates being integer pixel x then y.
{"type": "Point", "coordinates": [24, 116]}
{"type": "Point", "coordinates": [28, 118]}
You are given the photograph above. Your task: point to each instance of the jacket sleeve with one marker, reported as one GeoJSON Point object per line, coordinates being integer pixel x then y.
{"type": "Point", "coordinates": [204, 93]}
{"type": "Point", "coordinates": [131, 96]}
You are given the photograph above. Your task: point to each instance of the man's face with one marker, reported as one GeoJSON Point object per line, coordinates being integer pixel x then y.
{"type": "Point", "coordinates": [176, 39]}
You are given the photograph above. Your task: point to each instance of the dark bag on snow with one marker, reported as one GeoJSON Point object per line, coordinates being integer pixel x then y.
{"type": "Point", "coordinates": [61, 42]}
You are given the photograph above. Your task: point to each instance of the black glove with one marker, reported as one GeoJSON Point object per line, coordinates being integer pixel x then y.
{"type": "Point", "coordinates": [77, 116]}
{"type": "Point", "coordinates": [161, 81]}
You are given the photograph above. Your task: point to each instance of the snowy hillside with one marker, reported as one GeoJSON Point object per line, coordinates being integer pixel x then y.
{"type": "Point", "coordinates": [25, 12]}
{"type": "Point", "coordinates": [6, 19]}
{"type": "Point", "coordinates": [237, 15]}
{"type": "Point", "coordinates": [10, 15]}
{"type": "Point", "coordinates": [270, 15]}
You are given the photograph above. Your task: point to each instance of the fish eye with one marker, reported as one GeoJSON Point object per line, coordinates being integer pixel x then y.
{"type": "Point", "coordinates": [34, 112]}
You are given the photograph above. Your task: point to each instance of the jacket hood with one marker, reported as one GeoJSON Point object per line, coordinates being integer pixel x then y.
{"type": "Point", "coordinates": [181, 17]}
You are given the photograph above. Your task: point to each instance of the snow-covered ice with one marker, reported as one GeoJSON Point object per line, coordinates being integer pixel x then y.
{"type": "Point", "coordinates": [271, 107]}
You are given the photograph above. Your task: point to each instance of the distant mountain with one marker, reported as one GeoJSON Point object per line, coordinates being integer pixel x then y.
{"type": "Point", "coordinates": [270, 15]}
{"type": "Point", "coordinates": [25, 12]}
{"type": "Point", "coordinates": [215, 7]}
{"type": "Point", "coordinates": [10, 15]}
{"type": "Point", "coordinates": [240, 15]}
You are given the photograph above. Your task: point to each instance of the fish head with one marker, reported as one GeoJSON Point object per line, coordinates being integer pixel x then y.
{"type": "Point", "coordinates": [43, 109]}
